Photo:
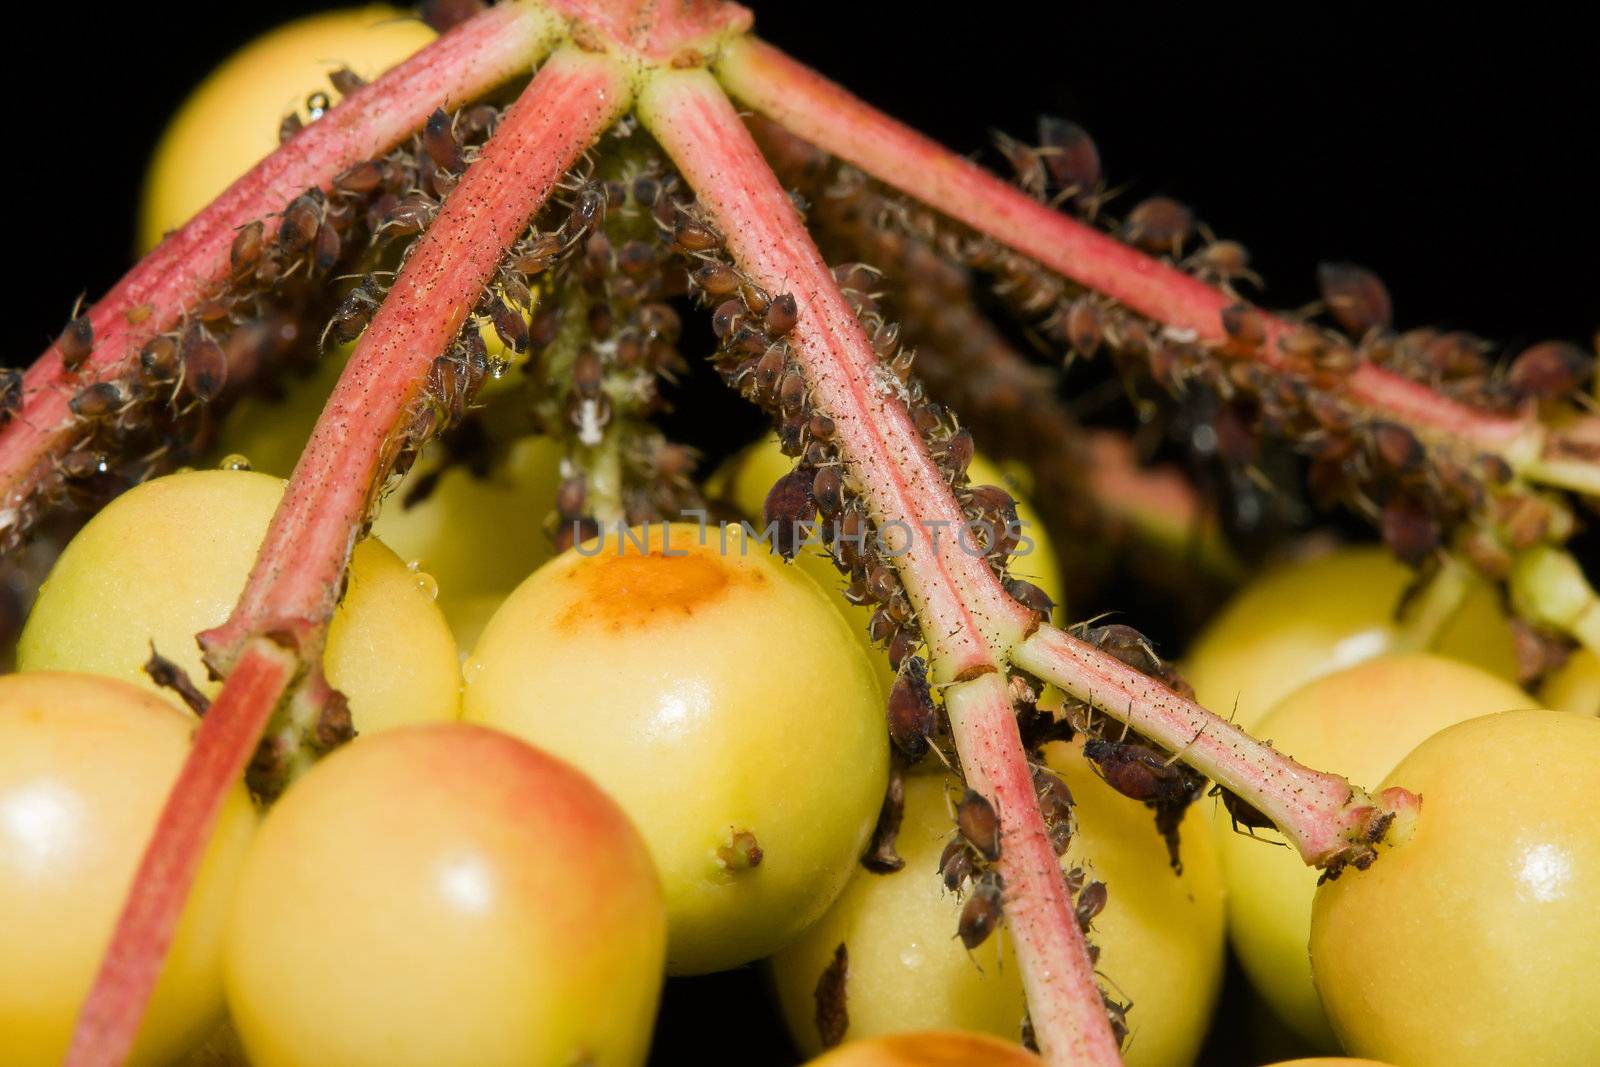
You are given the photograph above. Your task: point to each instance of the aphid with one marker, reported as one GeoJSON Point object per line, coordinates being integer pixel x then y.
{"type": "Point", "coordinates": [1070, 155]}
{"type": "Point", "coordinates": [408, 216]}
{"type": "Point", "coordinates": [1225, 261]}
{"type": "Point", "coordinates": [636, 257]}
{"type": "Point", "coordinates": [76, 343]}
{"type": "Point", "coordinates": [1085, 326]}
{"type": "Point", "coordinates": [1030, 596]}
{"type": "Point", "coordinates": [345, 81]}
{"type": "Point", "coordinates": [353, 314]}
{"type": "Point", "coordinates": [301, 220]}
{"type": "Point", "coordinates": [792, 391]}
{"type": "Point", "coordinates": [1241, 813]}
{"type": "Point", "coordinates": [160, 361]}
{"type": "Point", "coordinates": [956, 454]}
{"type": "Point", "coordinates": [168, 675]}
{"type": "Point", "coordinates": [439, 141]}
{"type": "Point", "coordinates": [325, 250]}
{"type": "Point", "coordinates": [98, 400]}
{"type": "Point", "coordinates": [1409, 530]}
{"type": "Point", "coordinates": [788, 509]}
{"type": "Point", "coordinates": [955, 865]}
{"type": "Point", "coordinates": [1159, 225]}
{"type": "Point", "coordinates": [537, 254]}
{"type": "Point", "coordinates": [10, 393]}
{"type": "Point", "coordinates": [716, 279]}
{"type": "Point", "coordinates": [781, 315]}
{"type": "Point", "coordinates": [1548, 370]}
{"type": "Point", "coordinates": [1134, 770]}
{"type": "Point", "coordinates": [1356, 298]}
{"type": "Point", "coordinates": [881, 857]}
{"type": "Point", "coordinates": [1055, 799]}
{"type": "Point", "coordinates": [1245, 326]}
{"type": "Point", "coordinates": [982, 911]}
{"type": "Point", "coordinates": [291, 125]}
{"type": "Point", "coordinates": [509, 325]}
{"type": "Point", "coordinates": [589, 207]}
{"type": "Point", "coordinates": [247, 247]}
{"type": "Point", "coordinates": [979, 825]}
{"type": "Point", "coordinates": [833, 1016]}
{"type": "Point", "coordinates": [588, 373]}
{"type": "Point", "coordinates": [910, 712]}
{"type": "Point", "coordinates": [645, 191]}
{"type": "Point", "coordinates": [693, 237]}
{"type": "Point", "coordinates": [827, 488]}
{"type": "Point", "coordinates": [1091, 902]}
{"type": "Point", "coordinates": [479, 121]}
{"type": "Point", "coordinates": [1026, 161]}
{"type": "Point", "coordinates": [205, 366]}
{"type": "Point", "coordinates": [1396, 447]}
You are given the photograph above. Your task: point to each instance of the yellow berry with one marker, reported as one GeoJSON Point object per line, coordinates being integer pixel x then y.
{"type": "Point", "coordinates": [231, 120]}
{"type": "Point", "coordinates": [1576, 686]}
{"type": "Point", "coordinates": [1472, 939]}
{"type": "Point", "coordinates": [445, 896]}
{"type": "Point", "coordinates": [1307, 618]}
{"type": "Point", "coordinates": [168, 558]}
{"type": "Point", "coordinates": [722, 701]}
{"type": "Point", "coordinates": [86, 764]}
{"type": "Point", "coordinates": [1161, 934]}
{"type": "Point", "coordinates": [929, 1048]}
{"type": "Point", "coordinates": [1358, 722]}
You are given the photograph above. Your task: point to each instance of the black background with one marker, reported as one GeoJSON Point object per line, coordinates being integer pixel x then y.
{"type": "Point", "coordinates": [1453, 159]}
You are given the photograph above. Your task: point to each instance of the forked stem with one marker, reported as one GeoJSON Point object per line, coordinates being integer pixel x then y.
{"type": "Point", "coordinates": [966, 617]}
{"type": "Point", "coordinates": [182, 270]}
{"type": "Point", "coordinates": [276, 630]}
{"type": "Point", "coordinates": [1329, 820]}
{"type": "Point", "coordinates": [830, 117]}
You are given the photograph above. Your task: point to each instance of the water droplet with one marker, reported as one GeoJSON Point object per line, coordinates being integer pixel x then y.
{"type": "Point", "coordinates": [317, 103]}
{"type": "Point", "coordinates": [425, 582]}
{"type": "Point", "coordinates": [233, 461]}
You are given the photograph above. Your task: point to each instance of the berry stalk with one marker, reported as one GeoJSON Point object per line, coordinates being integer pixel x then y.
{"type": "Point", "coordinates": [966, 617]}
{"type": "Point", "coordinates": [109, 1020]}
{"type": "Point", "coordinates": [275, 632]}
{"type": "Point", "coordinates": [1064, 1003]}
{"type": "Point", "coordinates": [183, 269]}
{"type": "Point", "coordinates": [832, 118]}
{"type": "Point", "coordinates": [1330, 821]}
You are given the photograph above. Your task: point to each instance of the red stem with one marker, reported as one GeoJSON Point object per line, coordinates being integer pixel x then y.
{"type": "Point", "coordinates": [830, 117]}
{"type": "Point", "coordinates": [109, 1020]}
{"type": "Point", "coordinates": [296, 579]}
{"type": "Point", "coordinates": [185, 267]}
{"type": "Point", "coordinates": [1064, 1003]}
{"type": "Point", "coordinates": [966, 617]}
{"type": "Point", "coordinates": [1328, 819]}
{"type": "Point", "coordinates": [294, 586]}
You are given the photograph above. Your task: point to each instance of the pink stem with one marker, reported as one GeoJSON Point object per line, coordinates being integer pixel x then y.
{"type": "Point", "coordinates": [184, 268]}
{"type": "Point", "coordinates": [827, 115]}
{"type": "Point", "coordinates": [966, 617]}
{"type": "Point", "coordinates": [294, 586]}
{"type": "Point", "coordinates": [109, 1020]}
{"type": "Point", "coordinates": [295, 583]}
{"type": "Point", "coordinates": [1329, 820]}
{"type": "Point", "coordinates": [1064, 1004]}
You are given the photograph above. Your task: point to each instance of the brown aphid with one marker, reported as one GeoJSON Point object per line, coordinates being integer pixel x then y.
{"type": "Point", "coordinates": [98, 401]}
{"type": "Point", "coordinates": [1356, 298]}
{"type": "Point", "coordinates": [301, 220]}
{"type": "Point", "coordinates": [247, 247]}
{"type": "Point", "coordinates": [352, 315]}
{"type": "Point", "coordinates": [902, 646]}
{"type": "Point", "coordinates": [1158, 225]}
{"type": "Point", "coordinates": [76, 343]}
{"type": "Point", "coordinates": [955, 454]}
{"type": "Point", "coordinates": [636, 257]}
{"type": "Point", "coordinates": [1548, 370]}
{"type": "Point", "coordinates": [691, 236]}
{"type": "Point", "coordinates": [1411, 533]}
{"type": "Point", "coordinates": [1245, 326]}
{"type": "Point", "coordinates": [881, 857]}
{"type": "Point", "coordinates": [726, 317]}
{"type": "Point", "coordinates": [1396, 447]}
{"type": "Point", "coordinates": [1225, 261]}
{"type": "Point", "coordinates": [979, 825]}
{"type": "Point", "coordinates": [205, 366]}
{"type": "Point", "coordinates": [159, 361]}
{"type": "Point", "coordinates": [982, 911]}
{"type": "Point", "coordinates": [833, 1016]}
{"type": "Point", "coordinates": [955, 865]}
{"type": "Point", "coordinates": [345, 81]}
{"type": "Point", "coordinates": [788, 509]}
{"type": "Point", "coordinates": [769, 372]}
{"type": "Point", "coordinates": [1030, 596]}
{"type": "Point", "coordinates": [291, 125]}
{"type": "Point", "coordinates": [1138, 772]}
{"type": "Point", "coordinates": [827, 488]}
{"type": "Point", "coordinates": [588, 373]}
{"type": "Point", "coordinates": [325, 250]}
{"type": "Point", "coordinates": [1069, 154]}
{"type": "Point", "coordinates": [10, 393]}
{"type": "Point", "coordinates": [439, 141]}
{"type": "Point", "coordinates": [410, 215]}
{"type": "Point", "coordinates": [911, 716]}
{"type": "Point", "coordinates": [820, 427]}
{"type": "Point", "coordinates": [645, 191]}
{"type": "Point", "coordinates": [537, 254]}
{"type": "Point", "coordinates": [1241, 813]}
{"type": "Point", "coordinates": [168, 675]}
{"type": "Point", "coordinates": [792, 391]}
{"type": "Point", "coordinates": [716, 279]}
{"type": "Point", "coordinates": [1085, 326]}
{"type": "Point", "coordinates": [781, 315]}
{"type": "Point", "coordinates": [364, 177]}
{"type": "Point", "coordinates": [83, 463]}
{"type": "Point", "coordinates": [509, 325]}
{"type": "Point", "coordinates": [1090, 903]}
